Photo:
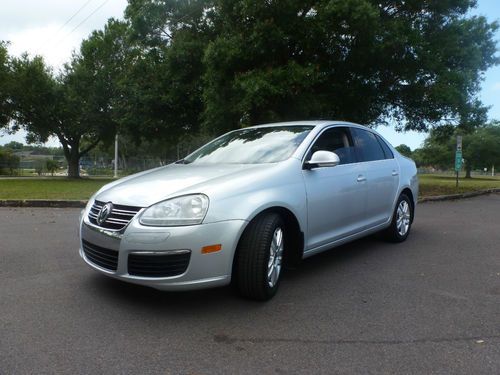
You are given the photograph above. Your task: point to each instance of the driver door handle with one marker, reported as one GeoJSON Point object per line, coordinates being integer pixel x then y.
{"type": "Point", "coordinates": [361, 178]}
{"type": "Point", "coordinates": [395, 173]}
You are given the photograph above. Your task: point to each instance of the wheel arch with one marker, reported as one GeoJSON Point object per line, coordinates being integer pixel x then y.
{"type": "Point", "coordinates": [294, 235]}
{"type": "Point", "coordinates": [409, 193]}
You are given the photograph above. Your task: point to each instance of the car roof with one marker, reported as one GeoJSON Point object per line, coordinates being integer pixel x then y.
{"type": "Point", "coordinates": [319, 125]}
{"type": "Point", "coordinates": [316, 123]}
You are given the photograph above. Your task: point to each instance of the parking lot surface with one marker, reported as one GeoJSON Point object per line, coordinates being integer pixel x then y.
{"type": "Point", "coordinates": [429, 305]}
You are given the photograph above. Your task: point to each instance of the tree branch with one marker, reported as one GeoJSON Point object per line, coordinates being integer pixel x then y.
{"type": "Point", "coordinates": [89, 147]}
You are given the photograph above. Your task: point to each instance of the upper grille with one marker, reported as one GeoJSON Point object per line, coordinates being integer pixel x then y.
{"type": "Point", "coordinates": [106, 258]}
{"type": "Point", "coordinates": [158, 265]}
{"type": "Point", "coordinates": [119, 217]}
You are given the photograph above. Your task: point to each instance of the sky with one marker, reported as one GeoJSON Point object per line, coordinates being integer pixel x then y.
{"type": "Point", "coordinates": [55, 28]}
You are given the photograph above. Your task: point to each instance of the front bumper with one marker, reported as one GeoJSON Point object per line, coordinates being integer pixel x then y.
{"type": "Point", "coordinates": [203, 271]}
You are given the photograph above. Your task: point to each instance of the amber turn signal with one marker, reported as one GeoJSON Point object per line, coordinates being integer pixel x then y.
{"type": "Point", "coordinates": [211, 249]}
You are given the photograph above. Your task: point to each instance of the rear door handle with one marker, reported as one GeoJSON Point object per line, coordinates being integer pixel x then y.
{"type": "Point", "coordinates": [395, 173]}
{"type": "Point", "coordinates": [361, 178]}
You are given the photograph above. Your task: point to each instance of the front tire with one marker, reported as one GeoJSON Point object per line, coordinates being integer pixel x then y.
{"type": "Point", "coordinates": [401, 222]}
{"type": "Point", "coordinates": [260, 257]}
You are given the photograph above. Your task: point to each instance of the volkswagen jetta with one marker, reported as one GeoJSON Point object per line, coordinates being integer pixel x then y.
{"type": "Point", "coordinates": [244, 205]}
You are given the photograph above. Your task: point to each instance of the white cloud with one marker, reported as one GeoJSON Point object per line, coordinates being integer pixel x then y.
{"type": "Point", "coordinates": [36, 27]}
{"type": "Point", "coordinates": [44, 41]}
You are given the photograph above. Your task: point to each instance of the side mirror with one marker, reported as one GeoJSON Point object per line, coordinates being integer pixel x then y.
{"type": "Point", "coordinates": [322, 159]}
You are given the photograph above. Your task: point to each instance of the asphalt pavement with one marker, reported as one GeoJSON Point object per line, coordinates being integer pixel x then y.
{"type": "Point", "coordinates": [429, 305]}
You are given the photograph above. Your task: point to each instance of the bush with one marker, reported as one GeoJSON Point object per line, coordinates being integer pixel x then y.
{"type": "Point", "coordinates": [9, 163]}
{"type": "Point", "coordinates": [51, 166]}
{"type": "Point", "coordinates": [39, 166]}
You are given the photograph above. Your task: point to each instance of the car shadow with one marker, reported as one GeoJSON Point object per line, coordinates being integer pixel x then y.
{"type": "Point", "coordinates": [137, 296]}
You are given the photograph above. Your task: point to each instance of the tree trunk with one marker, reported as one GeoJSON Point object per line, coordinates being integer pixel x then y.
{"type": "Point", "coordinates": [467, 171]}
{"type": "Point", "coordinates": [74, 163]}
{"type": "Point", "coordinates": [72, 153]}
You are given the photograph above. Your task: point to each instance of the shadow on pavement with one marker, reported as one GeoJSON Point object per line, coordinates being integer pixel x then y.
{"type": "Point", "coordinates": [133, 296]}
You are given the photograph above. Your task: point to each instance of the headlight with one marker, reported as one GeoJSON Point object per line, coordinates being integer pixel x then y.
{"type": "Point", "coordinates": [186, 210]}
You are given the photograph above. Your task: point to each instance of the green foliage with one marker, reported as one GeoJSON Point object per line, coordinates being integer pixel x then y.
{"type": "Point", "coordinates": [35, 98]}
{"type": "Point", "coordinates": [75, 106]}
{"type": "Point", "coordinates": [5, 82]}
{"type": "Point", "coordinates": [480, 148]}
{"type": "Point", "coordinates": [404, 150]}
{"type": "Point", "coordinates": [39, 165]}
{"type": "Point", "coordinates": [360, 60]}
{"type": "Point", "coordinates": [13, 145]}
{"type": "Point", "coordinates": [51, 166]}
{"type": "Point", "coordinates": [161, 90]}
{"type": "Point", "coordinates": [176, 69]}
{"type": "Point", "coordinates": [33, 149]}
{"type": "Point", "coordinates": [9, 162]}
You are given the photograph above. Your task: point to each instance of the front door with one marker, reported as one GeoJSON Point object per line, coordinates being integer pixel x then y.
{"type": "Point", "coordinates": [336, 196]}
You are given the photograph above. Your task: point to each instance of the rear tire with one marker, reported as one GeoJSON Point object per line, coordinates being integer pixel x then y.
{"type": "Point", "coordinates": [260, 257]}
{"type": "Point", "coordinates": [401, 222]}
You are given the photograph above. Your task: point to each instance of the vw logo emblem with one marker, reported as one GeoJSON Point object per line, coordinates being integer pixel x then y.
{"type": "Point", "coordinates": [104, 213]}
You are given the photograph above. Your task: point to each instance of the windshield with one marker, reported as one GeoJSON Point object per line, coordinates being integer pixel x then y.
{"type": "Point", "coordinates": [252, 146]}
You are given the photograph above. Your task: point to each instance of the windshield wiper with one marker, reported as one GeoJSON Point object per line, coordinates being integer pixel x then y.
{"type": "Point", "coordinates": [182, 161]}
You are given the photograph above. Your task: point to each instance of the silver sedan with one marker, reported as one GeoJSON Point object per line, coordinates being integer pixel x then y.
{"type": "Point", "coordinates": [248, 203]}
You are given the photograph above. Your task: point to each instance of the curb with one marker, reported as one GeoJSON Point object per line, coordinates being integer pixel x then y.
{"type": "Point", "coordinates": [83, 203]}
{"type": "Point", "coordinates": [471, 194]}
{"type": "Point", "coordinates": [43, 203]}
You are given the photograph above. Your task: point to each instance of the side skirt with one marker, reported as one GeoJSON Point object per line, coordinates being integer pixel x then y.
{"type": "Point", "coordinates": [352, 237]}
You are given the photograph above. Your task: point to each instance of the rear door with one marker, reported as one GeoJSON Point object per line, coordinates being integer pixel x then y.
{"type": "Point", "coordinates": [382, 175]}
{"type": "Point", "coordinates": [336, 196]}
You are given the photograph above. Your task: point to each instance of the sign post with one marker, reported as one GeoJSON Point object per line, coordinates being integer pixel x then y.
{"type": "Point", "coordinates": [458, 157]}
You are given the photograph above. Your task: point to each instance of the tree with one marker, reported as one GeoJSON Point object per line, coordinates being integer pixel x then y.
{"type": "Point", "coordinates": [9, 161]}
{"type": "Point", "coordinates": [358, 60]}
{"type": "Point", "coordinates": [161, 88]}
{"type": "Point", "coordinates": [13, 145]}
{"type": "Point", "coordinates": [419, 62]}
{"type": "Point", "coordinates": [39, 166]}
{"type": "Point", "coordinates": [76, 106]}
{"type": "Point", "coordinates": [480, 148]}
{"type": "Point", "coordinates": [51, 166]}
{"type": "Point", "coordinates": [5, 81]}
{"type": "Point", "coordinates": [404, 150]}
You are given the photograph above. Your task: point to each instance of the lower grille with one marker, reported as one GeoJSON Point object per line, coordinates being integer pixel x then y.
{"type": "Point", "coordinates": [163, 265]}
{"type": "Point", "coordinates": [105, 258]}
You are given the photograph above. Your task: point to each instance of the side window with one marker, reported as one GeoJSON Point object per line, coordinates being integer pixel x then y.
{"type": "Point", "coordinates": [336, 140]}
{"type": "Point", "coordinates": [387, 151]}
{"type": "Point", "coordinates": [367, 146]}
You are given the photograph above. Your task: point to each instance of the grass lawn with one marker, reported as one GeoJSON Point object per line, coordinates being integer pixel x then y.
{"type": "Point", "coordinates": [49, 188]}
{"type": "Point", "coordinates": [443, 185]}
{"type": "Point", "coordinates": [63, 188]}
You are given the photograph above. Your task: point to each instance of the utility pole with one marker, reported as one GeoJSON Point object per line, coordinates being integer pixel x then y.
{"type": "Point", "coordinates": [116, 156]}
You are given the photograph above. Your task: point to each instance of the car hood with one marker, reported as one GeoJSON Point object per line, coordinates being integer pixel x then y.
{"type": "Point", "coordinates": [147, 188]}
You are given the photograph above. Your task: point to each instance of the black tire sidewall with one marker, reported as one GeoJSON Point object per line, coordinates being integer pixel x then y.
{"type": "Point", "coordinates": [253, 255]}
{"type": "Point", "coordinates": [271, 291]}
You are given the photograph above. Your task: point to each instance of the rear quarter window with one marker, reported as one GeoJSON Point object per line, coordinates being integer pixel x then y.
{"type": "Point", "coordinates": [387, 150]}
{"type": "Point", "coordinates": [367, 146]}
